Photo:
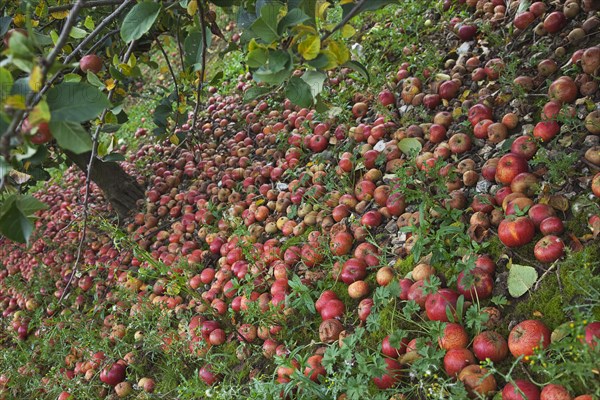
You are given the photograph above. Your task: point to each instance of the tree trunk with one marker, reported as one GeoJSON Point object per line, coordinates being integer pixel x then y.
{"type": "Point", "coordinates": [120, 189]}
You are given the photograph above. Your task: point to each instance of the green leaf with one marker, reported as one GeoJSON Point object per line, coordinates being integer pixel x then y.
{"type": "Point", "coordinates": [72, 78]}
{"type": "Point", "coordinates": [257, 57]}
{"type": "Point", "coordinates": [299, 92]}
{"type": "Point", "coordinates": [315, 80]}
{"type": "Point", "coordinates": [265, 27]}
{"type": "Point", "coordinates": [409, 146]}
{"type": "Point", "coordinates": [6, 83]}
{"type": "Point", "coordinates": [358, 67]}
{"type": "Point", "coordinates": [76, 102]}
{"type": "Point", "coordinates": [77, 33]}
{"type": "Point", "coordinates": [19, 46]}
{"type": "Point", "coordinates": [112, 157]}
{"type": "Point", "coordinates": [5, 24]}
{"type": "Point", "coordinates": [277, 69]}
{"type": "Point", "coordinates": [192, 47]}
{"type": "Point", "coordinates": [139, 20]}
{"type": "Point", "coordinates": [520, 279]}
{"type": "Point", "coordinates": [89, 23]}
{"type": "Point", "coordinates": [14, 224]}
{"type": "Point", "coordinates": [94, 80]}
{"type": "Point", "coordinates": [255, 92]}
{"type": "Point", "coordinates": [29, 205]}
{"type": "Point", "coordinates": [397, 336]}
{"type": "Point", "coordinates": [71, 136]}
{"type": "Point", "coordinates": [292, 18]}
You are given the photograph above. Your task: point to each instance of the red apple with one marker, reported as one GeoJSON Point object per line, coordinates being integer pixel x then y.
{"type": "Point", "coordinates": [490, 344]}
{"type": "Point", "coordinates": [523, 20]}
{"type": "Point", "coordinates": [546, 130]}
{"type": "Point", "coordinates": [563, 89]}
{"type": "Point", "coordinates": [460, 143]}
{"type": "Point", "coordinates": [592, 334]}
{"type": "Point", "coordinates": [436, 304]}
{"type": "Point", "coordinates": [457, 359]}
{"type": "Point", "coordinates": [552, 226]}
{"type": "Point", "coordinates": [466, 32]}
{"type": "Point", "coordinates": [524, 146]}
{"type": "Point", "coordinates": [393, 352]}
{"type": "Point", "coordinates": [555, 392]}
{"type": "Point", "coordinates": [480, 287]}
{"type": "Point", "coordinates": [90, 62]}
{"type": "Point", "coordinates": [527, 336]}
{"type": "Point", "coordinates": [540, 212]}
{"type": "Point", "coordinates": [509, 166]}
{"type": "Point", "coordinates": [333, 309]}
{"type": "Point", "coordinates": [354, 269]}
{"type": "Point", "coordinates": [555, 21]}
{"type": "Point", "coordinates": [113, 374]}
{"type": "Point", "coordinates": [448, 90]}
{"type": "Point", "coordinates": [512, 391]}
{"type": "Point", "coordinates": [515, 232]}
{"type": "Point", "coordinates": [386, 98]}
{"type": "Point", "coordinates": [549, 249]}
{"type": "Point", "coordinates": [454, 337]}
{"type": "Point", "coordinates": [392, 375]}
{"type": "Point", "coordinates": [479, 112]}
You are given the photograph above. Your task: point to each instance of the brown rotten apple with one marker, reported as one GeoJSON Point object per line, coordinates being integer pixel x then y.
{"type": "Point", "coordinates": [478, 381]}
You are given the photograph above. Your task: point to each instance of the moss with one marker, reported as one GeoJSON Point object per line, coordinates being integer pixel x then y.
{"type": "Point", "coordinates": [578, 276]}
{"type": "Point", "coordinates": [495, 248]}
{"type": "Point", "coordinates": [404, 266]}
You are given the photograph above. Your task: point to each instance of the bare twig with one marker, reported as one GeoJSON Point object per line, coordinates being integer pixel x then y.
{"type": "Point", "coordinates": [88, 183]}
{"type": "Point", "coordinates": [203, 66]}
{"type": "Point", "coordinates": [179, 43]}
{"type": "Point", "coordinates": [88, 4]}
{"type": "Point", "coordinates": [62, 40]}
{"type": "Point", "coordinates": [164, 53]}
{"type": "Point", "coordinates": [539, 281]}
{"type": "Point", "coordinates": [344, 21]}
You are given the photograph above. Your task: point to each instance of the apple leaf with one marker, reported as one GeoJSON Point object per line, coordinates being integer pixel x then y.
{"type": "Point", "coordinates": [520, 279]}
{"type": "Point", "coordinates": [139, 20]}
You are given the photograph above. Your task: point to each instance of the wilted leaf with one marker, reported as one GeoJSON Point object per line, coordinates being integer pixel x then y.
{"type": "Point", "coordinates": [559, 202]}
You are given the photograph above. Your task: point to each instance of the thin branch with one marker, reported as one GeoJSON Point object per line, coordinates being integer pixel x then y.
{"type": "Point", "coordinates": [164, 53]}
{"type": "Point", "coordinates": [88, 4]}
{"type": "Point", "coordinates": [203, 67]}
{"type": "Point", "coordinates": [344, 21]}
{"type": "Point", "coordinates": [62, 40]}
{"type": "Point", "coordinates": [179, 42]}
{"type": "Point", "coordinates": [101, 41]}
{"type": "Point", "coordinates": [88, 183]}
